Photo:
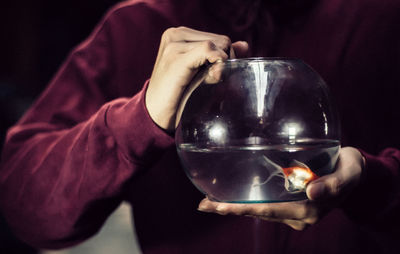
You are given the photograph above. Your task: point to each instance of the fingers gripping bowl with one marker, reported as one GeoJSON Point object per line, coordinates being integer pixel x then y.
{"type": "Point", "coordinates": [257, 130]}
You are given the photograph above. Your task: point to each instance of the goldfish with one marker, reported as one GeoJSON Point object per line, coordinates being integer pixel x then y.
{"type": "Point", "coordinates": [297, 176]}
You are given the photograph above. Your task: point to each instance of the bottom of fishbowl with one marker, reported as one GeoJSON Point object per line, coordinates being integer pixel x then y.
{"type": "Point", "coordinates": [253, 197]}
{"type": "Point", "coordinates": [255, 201]}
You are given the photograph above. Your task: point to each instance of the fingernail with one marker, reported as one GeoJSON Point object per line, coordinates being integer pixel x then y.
{"type": "Point", "coordinates": [220, 208]}
{"type": "Point", "coordinates": [317, 191]}
{"type": "Point", "coordinates": [202, 208]}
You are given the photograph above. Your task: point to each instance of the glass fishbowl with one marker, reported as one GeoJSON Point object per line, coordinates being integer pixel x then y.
{"type": "Point", "coordinates": [257, 130]}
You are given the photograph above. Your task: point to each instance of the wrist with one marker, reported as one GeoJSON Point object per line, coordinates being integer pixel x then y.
{"type": "Point", "coordinates": [161, 107]}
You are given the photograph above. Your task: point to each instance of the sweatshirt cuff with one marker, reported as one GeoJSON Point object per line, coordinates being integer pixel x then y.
{"type": "Point", "coordinates": [372, 199]}
{"type": "Point", "coordinates": [140, 139]}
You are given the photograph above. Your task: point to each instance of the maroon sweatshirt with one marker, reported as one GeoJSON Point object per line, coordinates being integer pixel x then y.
{"type": "Point", "coordinates": [88, 142]}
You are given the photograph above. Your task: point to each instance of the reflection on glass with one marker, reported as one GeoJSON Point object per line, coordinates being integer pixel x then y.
{"type": "Point", "coordinates": [261, 79]}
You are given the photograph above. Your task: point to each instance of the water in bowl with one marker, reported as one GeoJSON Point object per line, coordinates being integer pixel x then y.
{"type": "Point", "coordinates": [258, 173]}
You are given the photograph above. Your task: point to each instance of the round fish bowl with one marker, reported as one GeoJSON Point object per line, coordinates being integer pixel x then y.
{"type": "Point", "coordinates": [257, 130]}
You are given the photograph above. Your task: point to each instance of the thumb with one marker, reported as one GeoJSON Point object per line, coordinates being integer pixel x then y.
{"type": "Point", "coordinates": [324, 188]}
{"type": "Point", "coordinates": [342, 181]}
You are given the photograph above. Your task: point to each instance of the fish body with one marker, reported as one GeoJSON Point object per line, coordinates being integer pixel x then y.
{"type": "Point", "coordinates": [297, 176]}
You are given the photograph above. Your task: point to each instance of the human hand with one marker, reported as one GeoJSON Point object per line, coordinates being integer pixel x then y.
{"type": "Point", "coordinates": [324, 194]}
{"type": "Point", "coordinates": [182, 52]}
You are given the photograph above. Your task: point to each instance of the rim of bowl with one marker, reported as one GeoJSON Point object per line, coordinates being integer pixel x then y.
{"type": "Point", "coordinates": [264, 59]}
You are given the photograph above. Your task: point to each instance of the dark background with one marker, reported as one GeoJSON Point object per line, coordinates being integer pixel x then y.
{"type": "Point", "coordinates": [35, 38]}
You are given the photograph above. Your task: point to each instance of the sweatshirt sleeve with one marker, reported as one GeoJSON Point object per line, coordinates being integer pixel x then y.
{"type": "Point", "coordinates": [65, 163]}
{"type": "Point", "coordinates": [376, 201]}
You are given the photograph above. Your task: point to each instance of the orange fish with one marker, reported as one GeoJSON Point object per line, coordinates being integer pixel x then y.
{"type": "Point", "coordinates": [297, 177]}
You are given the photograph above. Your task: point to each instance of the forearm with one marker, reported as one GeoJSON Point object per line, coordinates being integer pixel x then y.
{"type": "Point", "coordinates": [52, 179]}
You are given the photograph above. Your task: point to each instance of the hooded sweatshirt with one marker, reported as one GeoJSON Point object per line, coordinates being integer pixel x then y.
{"type": "Point", "coordinates": [88, 143]}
